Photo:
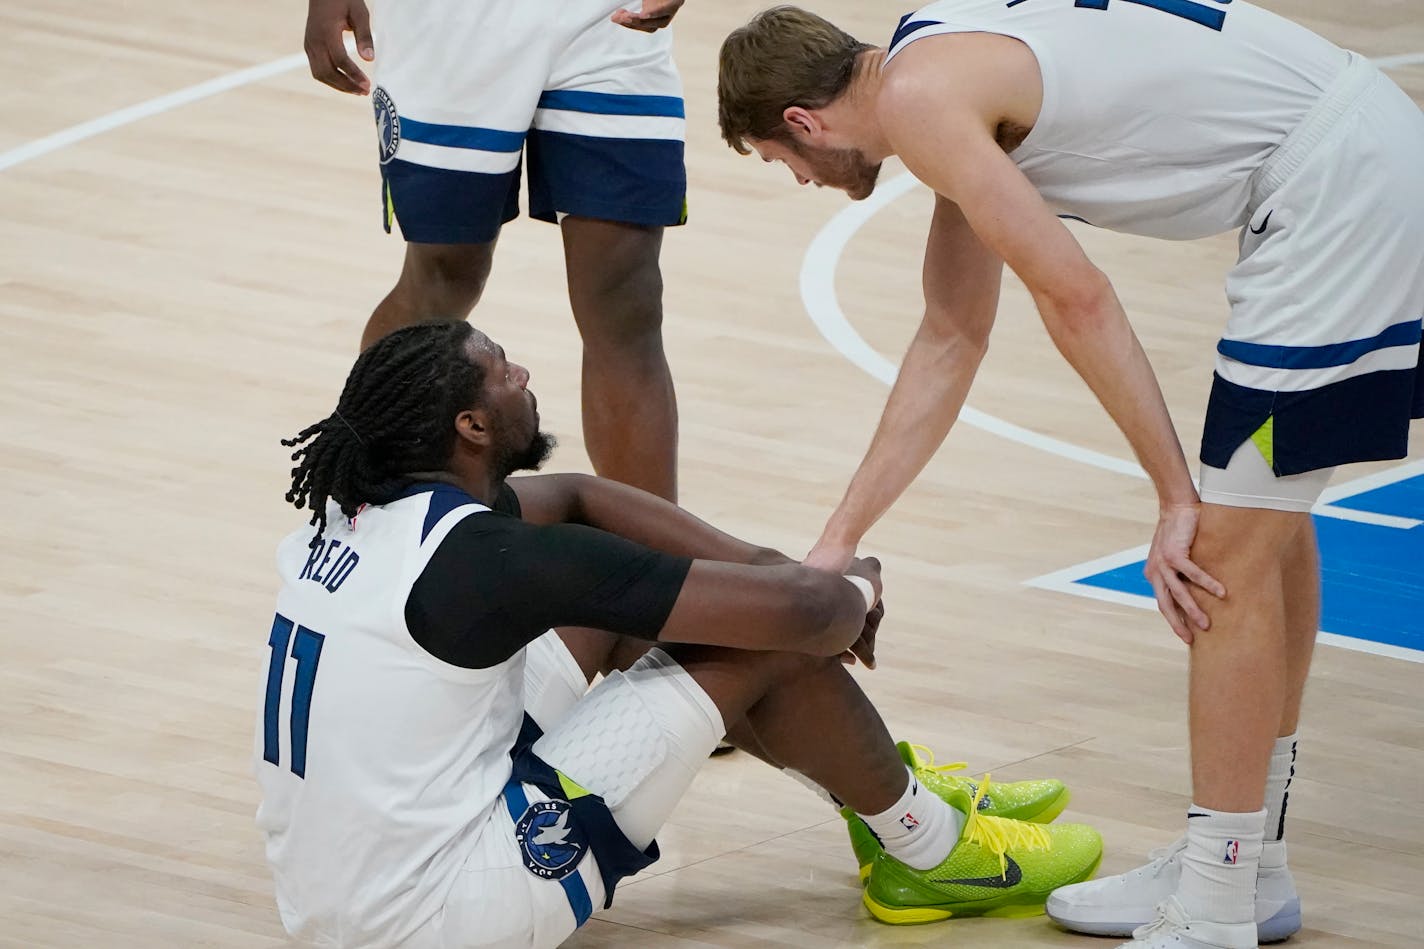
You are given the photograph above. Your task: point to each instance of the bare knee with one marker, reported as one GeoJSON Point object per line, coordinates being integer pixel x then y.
{"type": "Point", "coordinates": [616, 287]}
{"type": "Point", "coordinates": [1244, 538]}
{"type": "Point", "coordinates": [444, 281]}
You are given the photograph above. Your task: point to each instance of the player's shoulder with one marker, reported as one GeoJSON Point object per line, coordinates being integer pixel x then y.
{"type": "Point", "coordinates": [954, 80]}
{"type": "Point", "coordinates": [948, 74]}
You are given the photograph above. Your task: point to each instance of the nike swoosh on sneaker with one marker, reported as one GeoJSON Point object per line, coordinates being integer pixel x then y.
{"type": "Point", "coordinates": [1012, 877]}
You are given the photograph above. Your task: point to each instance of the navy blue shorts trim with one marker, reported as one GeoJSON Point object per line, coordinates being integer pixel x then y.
{"type": "Point", "coordinates": [1361, 419]}
{"type": "Point", "coordinates": [617, 856]}
{"type": "Point", "coordinates": [439, 206]}
{"type": "Point", "coordinates": [628, 180]}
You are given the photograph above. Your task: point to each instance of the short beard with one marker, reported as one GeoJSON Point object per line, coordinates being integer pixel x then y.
{"type": "Point", "coordinates": [530, 458]}
{"type": "Point", "coordinates": [843, 168]}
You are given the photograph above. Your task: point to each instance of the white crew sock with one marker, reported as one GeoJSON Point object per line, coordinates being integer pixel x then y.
{"type": "Point", "coordinates": [1278, 782]}
{"type": "Point", "coordinates": [1220, 864]}
{"type": "Point", "coordinates": [919, 829]}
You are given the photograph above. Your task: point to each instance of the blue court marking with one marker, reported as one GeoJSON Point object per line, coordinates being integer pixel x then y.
{"type": "Point", "coordinates": [1372, 593]}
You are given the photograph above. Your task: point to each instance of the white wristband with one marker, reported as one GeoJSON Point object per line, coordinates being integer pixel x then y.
{"type": "Point", "coordinates": [866, 590]}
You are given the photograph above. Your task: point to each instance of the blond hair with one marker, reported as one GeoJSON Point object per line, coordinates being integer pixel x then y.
{"type": "Point", "coordinates": [785, 56]}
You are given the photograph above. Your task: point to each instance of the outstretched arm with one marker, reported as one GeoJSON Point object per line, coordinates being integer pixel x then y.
{"type": "Point", "coordinates": [961, 284]}
{"type": "Point", "coordinates": [958, 156]}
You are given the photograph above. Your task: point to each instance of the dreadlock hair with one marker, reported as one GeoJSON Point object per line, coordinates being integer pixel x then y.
{"type": "Point", "coordinates": [395, 416]}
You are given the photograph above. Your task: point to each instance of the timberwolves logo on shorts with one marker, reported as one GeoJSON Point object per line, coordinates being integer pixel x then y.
{"type": "Point", "coordinates": [552, 843]}
{"type": "Point", "coordinates": [387, 124]}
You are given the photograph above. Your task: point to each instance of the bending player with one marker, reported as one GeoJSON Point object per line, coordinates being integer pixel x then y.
{"type": "Point", "coordinates": [1211, 118]}
{"type": "Point", "coordinates": [433, 774]}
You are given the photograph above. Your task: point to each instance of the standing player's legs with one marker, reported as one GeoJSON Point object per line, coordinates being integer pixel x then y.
{"type": "Point", "coordinates": [1239, 665]}
{"type": "Point", "coordinates": [437, 282]}
{"type": "Point", "coordinates": [629, 405]}
{"type": "Point", "coordinates": [459, 81]}
{"type": "Point", "coordinates": [1318, 367]}
{"type": "Point", "coordinates": [606, 162]}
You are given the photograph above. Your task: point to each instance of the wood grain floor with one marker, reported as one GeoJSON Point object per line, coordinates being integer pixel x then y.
{"type": "Point", "coordinates": [179, 292]}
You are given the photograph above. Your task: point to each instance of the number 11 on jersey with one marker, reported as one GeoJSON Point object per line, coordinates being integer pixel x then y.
{"type": "Point", "coordinates": [306, 650]}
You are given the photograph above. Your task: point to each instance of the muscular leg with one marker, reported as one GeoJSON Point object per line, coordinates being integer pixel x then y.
{"type": "Point", "coordinates": [437, 282]}
{"type": "Point", "coordinates": [1239, 667]}
{"type": "Point", "coordinates": [1300, 580]}
{"type": "Point", "coordinates": [790, 703]}
{"type": "Point", "coordinates": [629, 407]}
{"type": "Point", "coordinates": [686, 693]}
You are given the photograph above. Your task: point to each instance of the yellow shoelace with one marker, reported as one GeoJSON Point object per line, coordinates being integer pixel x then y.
{"type": "Point", "coordinates": [999, 834]}
{"type": "Point", "coordinates": [924, 758]}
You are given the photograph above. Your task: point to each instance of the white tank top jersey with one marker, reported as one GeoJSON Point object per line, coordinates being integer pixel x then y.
{"type": "Point", "coordinates": [379, 764]}
{"type": "Point", "coordinates": [1156, 113]}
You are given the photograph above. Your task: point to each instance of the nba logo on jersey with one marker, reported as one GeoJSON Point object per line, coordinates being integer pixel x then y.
{"type": "Point", "coordinates": [550, 839]}
{"type": "Point", "coordinates": [387, 124]}
{"type": "Point", "coordinates": [1232, 847]}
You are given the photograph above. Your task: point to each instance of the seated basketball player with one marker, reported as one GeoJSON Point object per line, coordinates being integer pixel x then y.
{"type": "Point", "coordinates": [433, 773]}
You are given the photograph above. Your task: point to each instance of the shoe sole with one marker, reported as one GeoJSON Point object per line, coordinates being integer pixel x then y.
{"type": "Point", "coordinates": [1048, 815]}
{"type": "Point", "coordinates": [1055, 807]}
{"type": "Point", "coordinates": [1014, 906]}
{"type": "Point", "coordinates": [1280, 927]}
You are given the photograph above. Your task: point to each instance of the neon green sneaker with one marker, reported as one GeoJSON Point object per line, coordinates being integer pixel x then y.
{"type": "Point", "coordinates": [1000, 867]}
{"type": "Point", "coordinates": [1037, 801]}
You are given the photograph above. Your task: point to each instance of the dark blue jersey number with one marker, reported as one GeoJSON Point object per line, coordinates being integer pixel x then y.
{"type": "Point", "coordinates": [1203, 13]}
{"type": "Point", "coordinates": [306, 650]}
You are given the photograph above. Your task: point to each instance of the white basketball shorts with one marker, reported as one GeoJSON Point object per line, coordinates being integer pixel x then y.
{"type": "Point", "coordinates": [465, 87]}
{"type": "Point", "coordinates": [1320, 364]}
{"type": "Point", "coordinates": [582, 803]}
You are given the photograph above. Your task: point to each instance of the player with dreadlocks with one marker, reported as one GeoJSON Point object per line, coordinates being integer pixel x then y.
{"type": "Point", "coordinates": [433, 773]}
{"type": "Point", "coordinates": [392, 420]}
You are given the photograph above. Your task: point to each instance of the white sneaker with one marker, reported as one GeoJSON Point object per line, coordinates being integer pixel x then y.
{"type": "Point", "coordinates": [1118, 905]}
{"type": "Point", "coordinates": [1173, 930]}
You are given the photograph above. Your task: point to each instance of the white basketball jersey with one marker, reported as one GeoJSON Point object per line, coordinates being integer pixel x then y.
{"type": "Point", "coordinates": [1155, 112]}
{"type": "Point", "coordinates": [379, 764]}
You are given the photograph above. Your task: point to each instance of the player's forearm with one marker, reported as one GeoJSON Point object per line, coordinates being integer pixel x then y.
{"type": "Point", "coordinates": [659, 524]}
{"type": "Point", "coordinates": [787, 608]}
{"type": "Point", "coordinates": [1097, 340]}
{"type": "Point", "coordinates": [929, 392]}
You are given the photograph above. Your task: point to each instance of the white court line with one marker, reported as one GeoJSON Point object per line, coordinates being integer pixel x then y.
{"type": "Point", "coordinates": [1403, 59]}
{"type": "Point", "coordinates": [818, 295]}
{"type": "Point", "coordinates": [1068, 580]}
{"type": "Point", "coordinates": [163, 103]}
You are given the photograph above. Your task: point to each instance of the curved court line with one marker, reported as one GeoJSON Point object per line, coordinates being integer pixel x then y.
{"type": "Point", "coordinates": [142, 110]}
{"type": "Point", "coordinates": [818, 296]}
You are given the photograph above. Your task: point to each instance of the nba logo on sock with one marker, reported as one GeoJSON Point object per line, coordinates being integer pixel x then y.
{"type": "Point", "coordinates": [909, 822]}
{"type": "Point", "coordinates": [1232, 846]}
